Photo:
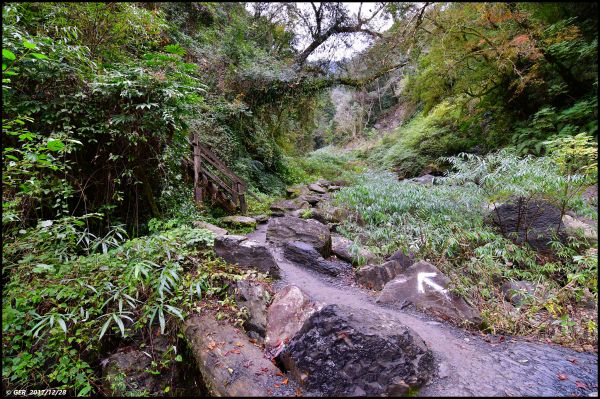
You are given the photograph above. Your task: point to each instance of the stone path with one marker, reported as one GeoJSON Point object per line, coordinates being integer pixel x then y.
{"type": "Point", "coordinates": [468, 365]}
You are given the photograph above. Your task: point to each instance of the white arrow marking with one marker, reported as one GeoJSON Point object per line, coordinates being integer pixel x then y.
{"type": "Point", "coordinates": [424, 278]}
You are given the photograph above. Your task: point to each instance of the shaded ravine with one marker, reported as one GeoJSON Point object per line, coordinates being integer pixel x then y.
{"type": "Point", "coordinates": [468, 365]}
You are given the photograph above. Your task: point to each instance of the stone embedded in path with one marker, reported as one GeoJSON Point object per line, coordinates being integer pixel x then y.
{"type": "Point", "coordinates": [376, 276]}
{"type": "Point", "coordinates": [239, 221]}
{"type": "Point", "coordinates": [279, 208]}
{"type": "Point", "coordinates": [305, 255]}
{"type": "Point", "coordinates": [210, 227]}
{"type": "Point", "coordinates": [316, 188]}
{"type": "Point", "coordinates": [343, 351]}
{"type": "Point", "coordinates": [246, 253]}
{"type": "Point", "coordinates": [288, 228]}
{"type": "Point", "coordinates": [286, 315]}
{"type": "Point", "coordinates": [342, 248]}
{"type": "Point", "coordinates": [261, 218]}
{"type": "Point", "coordinates": [425, 287]}
{"type": "Point", "coordinates": [311, 199]}
{"type": "Point", "coordinates": [229, 363]}
{"type": "Point", "coordinates": [253, 296]}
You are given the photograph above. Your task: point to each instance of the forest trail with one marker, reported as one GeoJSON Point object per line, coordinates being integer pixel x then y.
{"type": "Point", "coordinates": [468, 365]}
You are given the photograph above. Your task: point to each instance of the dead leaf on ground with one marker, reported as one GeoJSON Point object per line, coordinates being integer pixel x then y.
{"type": "Point", "coordinates": [239, 344]}
{"type": "Point", "coordinates": [562, 377]}
{"type": "Point", "coordinates": [572, 360]}
{"type": "Point", "coordinates": [276, 385]}
{"type": "Point", "coordinates": [285, 382]}
{"type": "Point", "coordinates": [279, 374]}
{"type": "Point", "coordinates": [580, 384]}
{"type": "Point", "coordinates": [211, 345]}
{"type": "Point", "coordinates": [298, 392]}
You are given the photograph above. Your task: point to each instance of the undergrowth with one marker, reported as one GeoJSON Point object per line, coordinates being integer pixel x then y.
{"type": "Point", "coordinates": [60, 311]}
{"type": "Point", "coordinates": [445, 225]}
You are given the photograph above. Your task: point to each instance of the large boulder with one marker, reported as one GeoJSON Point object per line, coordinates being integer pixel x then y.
{"type": "Point", "coordinates": [534, 222]}
{"type": "Point", "coordinates": [210, 227]}
{"type": "Point", "coordinates": [578, 228]}
{"type": "Point", "coordinates": [286, 315]}
{"type": "Point", "coordinates": [246, 253]}
{"type": "Point", "coordinates": [282, 207]}
{"type": "Point", "coordinates": [229, 363]}
{"type": "Point", "coordinates": [425, 287]}
{"type": "Point", "coordinates": [305, 255]}
{"type": "Point", "coordinates": [343, 351]}
{"type": "Point", "coordinates": [244, 221]}
{"type": "Point", "coordinates": [286, 229]}
{"type": "Point", "coordinates": [376, 276]}
{"type": "Point", "coordinates": [254, 297]}
{"type": "Point", "coordinates": [343, 249]}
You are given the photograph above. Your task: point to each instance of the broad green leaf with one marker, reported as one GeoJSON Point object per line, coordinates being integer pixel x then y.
{"type": "Point", "coordinates": [9, 55]}
{"type": "Point", "coordinates": [120, 324]}
{"type": "Point", "coordinates": [39, 56]}
{"type": "Point", "coordinates": [62, 324]}
{"type": "Point", "coordinates": [55, 145]}
{"type": "Point", "coordinates": [29, 45]}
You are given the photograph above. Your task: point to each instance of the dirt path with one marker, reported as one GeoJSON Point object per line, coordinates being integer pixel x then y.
{"type": "Point", "coordinates": [468, 365]}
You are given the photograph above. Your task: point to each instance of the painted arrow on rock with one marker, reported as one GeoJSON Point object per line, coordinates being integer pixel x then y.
{"type": "Point", "coordinates": [424, 277]}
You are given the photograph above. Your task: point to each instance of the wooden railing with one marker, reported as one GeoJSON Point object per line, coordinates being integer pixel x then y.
{"type": "Point", "coordinates": [214, 180]}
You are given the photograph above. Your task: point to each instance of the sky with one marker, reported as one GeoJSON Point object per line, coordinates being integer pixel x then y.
{"type": "Point", "coordinates": [358, 42]}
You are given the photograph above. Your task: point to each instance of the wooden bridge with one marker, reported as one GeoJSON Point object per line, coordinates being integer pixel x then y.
{"type": "Point", "coordinates": [215, 181]}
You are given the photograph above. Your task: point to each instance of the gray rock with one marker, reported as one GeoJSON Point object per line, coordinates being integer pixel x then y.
{"type": "Point", "coordinates": [255, 298]}
{"type": "Point", "coordinates": [285, 206]}
{"type": "Point", "coordinates": [425, 287]}
{"type": "Point", "coordinates": [327, 213]}
{"type": "Point", "coordinates": [578, 228]}
{"type": "Point", "coordinates": [425, 179]}
{"type": "Point", "coordinates": [305, 255]}
{"type": "Point", "coordinates": [316, 188]}
{"type": "Point", "coordinates": [286, 315]}
{"type": "Point", "coordinates": [124, 372]}
{"type": "Point", "coordinates": [342, 248]}
{"type": "Point", "coordinates": [323, 183]}
{"type": "Point", "coordinates": [261, 218]}
{"type": "Point", "coordinates": [210, 227]}
{"type": "Point", "coordinates": [515, 292]}
{"type": "Point", "coordinates": [534, 222]}
{"type": "Point", "coordinates": [239, 221]}
{"type": "Point", "coordinates": [406, 260]}
{"type": "Point", "coordinates": [297, 190]}
{"type": "Point", "coordinates": [311, 199]}
{"type": "Point", "coordinates": [246, 253]}
{"type": "Point", "coordinates": [376, 276]}
{"type": "Point", "coordinates": [286, 229]}
{"type": "Point", "coordinates": [334, 188]}
{"type": "Point", "coordinates": [342, 351]}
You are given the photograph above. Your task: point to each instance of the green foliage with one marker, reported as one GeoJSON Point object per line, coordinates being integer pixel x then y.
{"type": "Point", "coordinates": [444, 224]}
{"type": "Point", "coordinates": [57, 315]}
